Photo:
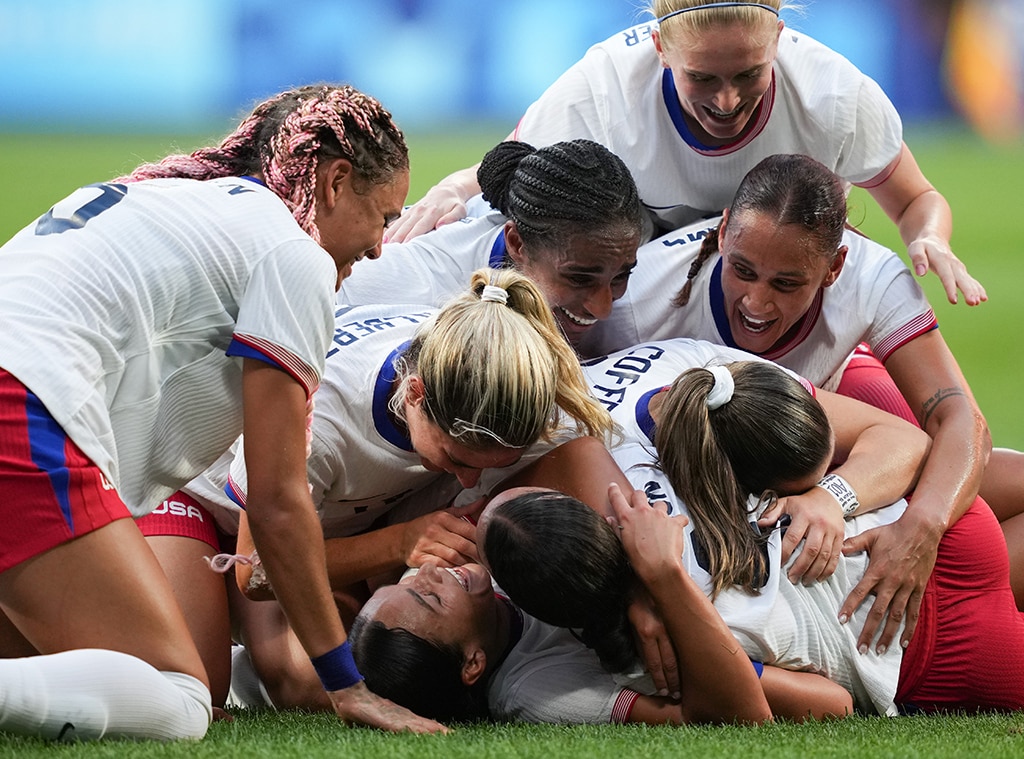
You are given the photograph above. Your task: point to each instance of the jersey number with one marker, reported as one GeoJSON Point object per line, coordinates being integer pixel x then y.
{"type": "Point", "coordinates": [110, 195]}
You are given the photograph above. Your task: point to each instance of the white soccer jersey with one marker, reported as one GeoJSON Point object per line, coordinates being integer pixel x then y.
{"type": "Point", "coordinates": [360, 464]}
{"type": "Point", "coordinates": [549, 676]}
{"type": "Point", "coordinates": [430, 268]}
{"type": "Point", "coordinates": [618, 94]}
{"type": "Point", "coordinates": [125, 308]}
{"type": "Point", "coordinates": [874, 300]}
{"type": "Point", "coordinates": [790, 626]}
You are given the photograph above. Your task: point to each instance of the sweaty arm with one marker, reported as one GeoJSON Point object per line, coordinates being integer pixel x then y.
{"type": "Point", "coordinates": [286, 533]}
{"type": "Point", "coordinates": [795, 696]}
{"type": "Point", "coordinates": [902, 554]}
{"type": "Point", "coordinates": [718, 681]}
{"type": "Point", "coordinates": [878, 454]}
{"type": "Point", "coordinates": [925, 222]}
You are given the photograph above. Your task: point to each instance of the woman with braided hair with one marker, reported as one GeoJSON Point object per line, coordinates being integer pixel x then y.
{"type": "Point", "coordinates": [146, 322]}
{"type": "Point", "coordinates": [568, 217]}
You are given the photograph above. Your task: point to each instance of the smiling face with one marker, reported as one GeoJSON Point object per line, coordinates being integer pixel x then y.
{"type": "Point", "coordinates": [770, 275]}
{"type": "Point", "coordinates": [440, 452]}
{"type": "Point", "coordinates": [351, 215]}
{"type": "Point", "coordinates": [720, 75]}
{"type": "Point", "coordinates": [581, 279]}
{"type": "Point", "coordinates": [455, 607]}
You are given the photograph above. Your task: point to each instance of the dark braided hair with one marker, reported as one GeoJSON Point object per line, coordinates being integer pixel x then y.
{"type": "Point", "coordinates": [284, 139]}
{"type": "Point", "coordinates": [790, 189]}
{"type": "Point", "coordinates": [555, 192]}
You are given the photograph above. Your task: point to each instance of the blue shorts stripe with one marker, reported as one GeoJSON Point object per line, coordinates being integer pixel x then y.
{"type": "Point", "coordinates": [47, 441]}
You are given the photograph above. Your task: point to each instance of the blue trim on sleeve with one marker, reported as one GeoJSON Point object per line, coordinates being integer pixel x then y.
{"type": "Point", "coordinates": [643, 414]}
{"type": "Point", "coordinates": [238, 348]}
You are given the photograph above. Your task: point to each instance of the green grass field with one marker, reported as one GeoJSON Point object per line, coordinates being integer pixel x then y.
{"type": "Point", "coordinates": [979, 181]}
{"type": "Point", "coordinates": [307, 736]}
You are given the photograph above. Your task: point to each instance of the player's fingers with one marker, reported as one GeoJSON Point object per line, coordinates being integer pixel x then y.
{"type": "Point", "coordinates": [897, 613]}
{"type": "Point", "coordinates": [913, 615]}
{"type": "Point", "coordinates": [875, 618]}
{"type": "Point", "coordinates": [854, 599]}
{"type": "Point", "coordinates": [670, 671]}
{"type": "Point", "coordinates": [795, 534]}
{"type": "Point", "coordinates": [771, 516]}
{"type": "Point", "coordinates": [974, 292]}
{"type": "Point", "coordinates": [650, 652]}
{"type": "Point", "coordinates": [856, 544]}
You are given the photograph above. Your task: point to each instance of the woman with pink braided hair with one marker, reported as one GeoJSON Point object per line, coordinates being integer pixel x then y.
{"type": "Point", "coordinates": [144, 324]}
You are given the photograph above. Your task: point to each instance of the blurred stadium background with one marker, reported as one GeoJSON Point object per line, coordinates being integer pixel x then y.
{"type": "Point", "coordinates": [90, 88]}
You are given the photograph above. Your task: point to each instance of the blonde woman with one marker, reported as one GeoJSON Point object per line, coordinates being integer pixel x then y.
{"type": "Point", "coordinates": [415, 398]}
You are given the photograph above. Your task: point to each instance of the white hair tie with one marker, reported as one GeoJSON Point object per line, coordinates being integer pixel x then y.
{"type": "Point", "coordinates": [495, 294]}
{"type": "Point", "coordinates": [721, 391]}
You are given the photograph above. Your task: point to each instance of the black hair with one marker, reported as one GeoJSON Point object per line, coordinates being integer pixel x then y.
{"type": "Point", "coordinates": [565, 189]}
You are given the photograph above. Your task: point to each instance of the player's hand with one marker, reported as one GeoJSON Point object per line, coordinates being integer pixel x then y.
{"type": "Point", "coordinates": [902, 556]}
{"type": "Point", "coordinates": [654, 644]}
{"type": "Point", "coordinates": [935, 254]}
{"type": "Point", "coordinates": [653, 540]}
{"type": "Point", "coordinates": [447, 538]}
{"type": "Point", "coordinates": [358, 705]}
{"type": "Point", "coordinates": [816, 524]}
{"type": "Point", "coordinates": [441, 205]}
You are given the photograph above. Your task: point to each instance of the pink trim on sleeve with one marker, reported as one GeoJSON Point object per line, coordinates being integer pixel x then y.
{"type": "Point", "coordinates": [909, 331]}
{"type": "Point", "coordinates": [883, 175]}
{"type": "Point", "coordinates": [299, 370]}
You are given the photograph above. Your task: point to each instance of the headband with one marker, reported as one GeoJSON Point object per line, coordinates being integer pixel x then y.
{"type": "Point", "coordinates": [721, 391]}
{"type": "Point", "coordinates": [768, 8]}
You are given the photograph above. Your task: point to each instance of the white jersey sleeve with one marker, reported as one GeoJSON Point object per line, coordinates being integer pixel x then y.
{"type": "Point", "coordinates": [550, 677]}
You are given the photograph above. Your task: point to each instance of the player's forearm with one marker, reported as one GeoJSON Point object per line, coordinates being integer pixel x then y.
{"type": "Point", "coordinates": [358, 557]}
{"type": "Point", "coordinates": [952, 473]}
{"type": "Point", "coordinates": [463, 183]}
{"type": "Point", "coordinates": [927, 216]}
{"type": "Point", "coordinates": [719, 681]}
{"type": "Point", "coordinates": [885, 464]}
{"type": "Point", "coordinates": [290, 544]}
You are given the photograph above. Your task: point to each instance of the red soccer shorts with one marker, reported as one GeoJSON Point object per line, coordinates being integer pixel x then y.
{"type": "Point", "coordinates": [50, 492]}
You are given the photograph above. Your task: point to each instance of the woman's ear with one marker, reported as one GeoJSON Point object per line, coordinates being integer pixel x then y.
{"type": "Point", "coordinates": [415, 390]}
{"type": "Point", "coordinates": [336, 179]}
{"type": "Point", "coordinates": [473, 666]}
{"type": "Point", "coordinates": [514, 244]}
{"type": "Point", "coordinates": [836, 266]}
{"type": "Point", "coordinates": [659, 48]}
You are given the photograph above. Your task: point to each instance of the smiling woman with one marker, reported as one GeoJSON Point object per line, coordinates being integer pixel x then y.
{"type": "Point", "coordinates": [692, 101]}
{"type": "Point", "coordinates": [567, 216]}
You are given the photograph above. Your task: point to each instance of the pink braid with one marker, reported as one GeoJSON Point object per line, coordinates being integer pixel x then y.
{"type": "Point", "coordinates": [288, 156]}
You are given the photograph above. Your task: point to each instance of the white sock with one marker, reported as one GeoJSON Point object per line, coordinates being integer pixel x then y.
{"type": "Point", "coordinates": [246, 687]}
{"type": "Point", "coordinates": [87, 694]}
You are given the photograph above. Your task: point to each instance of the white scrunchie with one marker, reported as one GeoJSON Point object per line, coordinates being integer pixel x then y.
{"type": "Point", "coordinates": [495, 294]}
{"type": "Point", "coordinates": [721, 391]}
